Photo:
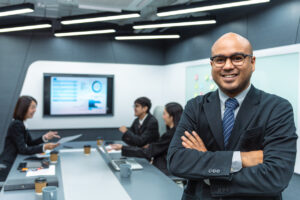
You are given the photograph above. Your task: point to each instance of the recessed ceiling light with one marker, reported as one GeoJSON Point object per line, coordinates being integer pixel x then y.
{"type": "Point", "coordinates": [25, 27]}
{"type": "Point", "coordinates": [147, 37]}
{"type": "Point", "coordinates": [192, 8]}
{"type": "Point", "coordinates": [16, 9]}
{"type": "Point", "coordinates": [78, 33]}
{"type": "Point", "coordinates": [98, 18]}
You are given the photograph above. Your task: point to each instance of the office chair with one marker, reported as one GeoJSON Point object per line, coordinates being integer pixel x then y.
{"type": "Point", "coordinates": [157, 113]}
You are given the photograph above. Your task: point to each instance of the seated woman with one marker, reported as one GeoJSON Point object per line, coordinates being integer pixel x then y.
{"type": "Point", "coordinates": [18, 139]}
{"type": "Point", "coordinates": [157, 151]}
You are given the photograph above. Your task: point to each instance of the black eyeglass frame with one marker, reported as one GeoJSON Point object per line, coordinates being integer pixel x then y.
{"type": "Point", "coordinates": [230, 57]}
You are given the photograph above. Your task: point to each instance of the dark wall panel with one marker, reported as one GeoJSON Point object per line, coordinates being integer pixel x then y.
{"type": "Point", "coordinates": [13, 52]}
{"type": "Point", "coordinates": [199, 46]}
{"type": "Point", "coordinates": [93, 49]}
{"type": "Point", "coordinates": [274, 26]}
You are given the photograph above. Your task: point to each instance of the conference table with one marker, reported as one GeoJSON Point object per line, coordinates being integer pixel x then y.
{"type": "Point", "coordinates": [79, 176]}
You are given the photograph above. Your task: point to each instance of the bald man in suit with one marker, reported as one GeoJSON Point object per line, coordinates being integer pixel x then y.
{"type": "Point", "coordinates": [238, 142]}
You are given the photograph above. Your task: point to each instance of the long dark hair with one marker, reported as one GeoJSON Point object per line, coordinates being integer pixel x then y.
{"type": "Point", "coordinates": [175, 110]}
{"type": "Point", "coordinates": [22, 106]}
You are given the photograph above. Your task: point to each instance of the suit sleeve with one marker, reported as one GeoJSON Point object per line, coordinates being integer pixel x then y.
{"type": "Point", "coordinates": [193, 164]}
{"type": "Point", "coordinates": [154, 149]}
{"type": "Point", "coordinates": [17, 133]}
{"type": "Point", "coordinates": [273, 176]}
{"type": "Point", "coordinates": [150, 134]}
{"type": "Point", "coordinates": [131, 151]}
{"type": "Point", "coordinates": [128, 133]}
{"type": "Point", "coordinates": [160, 147]}
{"type": "Point", "coordinates": [31, 142]}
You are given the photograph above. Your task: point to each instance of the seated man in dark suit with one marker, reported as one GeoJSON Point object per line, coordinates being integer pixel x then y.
{"type": "Point", "coordinates": [238, 142]}
{"type": "Point", "coordinates": [144, 128]}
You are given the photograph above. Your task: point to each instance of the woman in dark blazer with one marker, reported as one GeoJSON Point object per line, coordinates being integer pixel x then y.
{"type": "Point", "coordinates": [156, 152]}
{"type": "Point", "coordinates": [18, 139]}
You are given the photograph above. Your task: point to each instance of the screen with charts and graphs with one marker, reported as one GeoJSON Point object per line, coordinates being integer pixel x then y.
{"type": "Point", "coordinates": [78, 94]}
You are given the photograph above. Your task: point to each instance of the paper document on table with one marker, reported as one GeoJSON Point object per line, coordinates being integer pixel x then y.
{"type": "Point", "coordinates": [68, 139]}
{"type": "Point", "coordinates": [42, 172]}
{"type": "Point", "coordinates": [110, 150]}
{"type": "Point", "coordinates": [46, 154]}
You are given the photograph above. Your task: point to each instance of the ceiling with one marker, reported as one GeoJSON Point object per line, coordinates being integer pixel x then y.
{"type": "Point", "coordinates": [55, 9]}
{"type": "Point", "coordinates": [63, 8]}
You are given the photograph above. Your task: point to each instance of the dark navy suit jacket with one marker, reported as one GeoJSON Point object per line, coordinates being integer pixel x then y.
{"type": "Point", "coordinates": [18, 141]}
{"type": "Point", "coordinates": [141, 135]}
{"type": "Point", "coordinates": [264, 122]}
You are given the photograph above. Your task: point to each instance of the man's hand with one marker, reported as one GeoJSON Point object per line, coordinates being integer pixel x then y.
{"type": "Point", "coordinates": [252, 158]}
{"type": "Point", "coordinates": [116, 146]}
{"type": "Point", "coordinates": [146, 146]}
{"type": "Point", "coordinates": [193, 141]}
{"type": "Point", "coordinates": [123, 129]}
{"type": "Point", "coordinates": [50, 135]}
{"type": "Point", "coordinates": [50, 146]}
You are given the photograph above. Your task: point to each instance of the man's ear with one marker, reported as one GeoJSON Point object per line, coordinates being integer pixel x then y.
{"type": "Point", "coordinates": [145, 108]}
{"type": "Point", "coordinates": [253, 61]}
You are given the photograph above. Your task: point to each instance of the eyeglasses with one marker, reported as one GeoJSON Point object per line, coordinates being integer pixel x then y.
{"type": "Point", "coordinates": [237, 59]}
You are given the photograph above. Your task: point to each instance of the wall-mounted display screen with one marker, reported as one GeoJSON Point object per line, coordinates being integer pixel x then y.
{"type": "Point", "coordinates": [78, 94]}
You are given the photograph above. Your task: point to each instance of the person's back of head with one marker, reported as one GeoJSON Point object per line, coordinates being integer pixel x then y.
{"type": "Point", "coordinates": [144, 102]}
{"type": "Point", "coordinates": [22, 106]}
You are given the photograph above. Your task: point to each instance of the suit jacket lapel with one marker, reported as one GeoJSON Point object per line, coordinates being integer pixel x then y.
{"type": "Point", "coordinates": [213, 114]}
{"type": "Point", "coordinates": [145, 122]}
{"type": "Point", "coordinates": [244, 116]}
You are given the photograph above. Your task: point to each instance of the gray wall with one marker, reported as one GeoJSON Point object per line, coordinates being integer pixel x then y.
{"type": "Point", "coordinates": [276, 25]}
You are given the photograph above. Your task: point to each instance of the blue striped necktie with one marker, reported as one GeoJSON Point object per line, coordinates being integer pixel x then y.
{"type": "Point", "coordinates": [228, 119]}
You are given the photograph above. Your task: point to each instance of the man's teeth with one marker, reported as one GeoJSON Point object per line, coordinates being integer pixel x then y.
{"type": "Point", "coordinates": [229, 76]}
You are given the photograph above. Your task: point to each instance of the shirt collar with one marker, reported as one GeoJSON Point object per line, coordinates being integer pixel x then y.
{"type": "Point", "coordinates": [240, 97]}
{"type": "Point", "coordinates": [142, 120]}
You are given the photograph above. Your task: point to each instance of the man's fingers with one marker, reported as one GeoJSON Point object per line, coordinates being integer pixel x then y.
{"type": "Point", "coordinates": [186, 145]}
{"type": "Point", "coordinates": [187, 141]}
{"type": "Point", "coordinates": [200, 141]}
{"type": "Point", "coordinates": [196, 136]}
{"type": "Point", "coordinates": [190, 137]}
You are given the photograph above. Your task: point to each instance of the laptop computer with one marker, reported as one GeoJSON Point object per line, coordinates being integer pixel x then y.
{"type": "Point", "coordinates": [115, 163]}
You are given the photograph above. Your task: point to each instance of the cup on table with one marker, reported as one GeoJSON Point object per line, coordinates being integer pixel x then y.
{"type": "Point", "coordinates": [87, 149]}
{"type": "Point", "coordinates": [125, 170]}
{"type": "Point", "coordinates": [39, 184]}
{"type": "Point", "coordinates": [100, 141]}
{"type": "Point", "coordinates": [53, 156]}
{"type": "Point", "coordinates": [50, 193]}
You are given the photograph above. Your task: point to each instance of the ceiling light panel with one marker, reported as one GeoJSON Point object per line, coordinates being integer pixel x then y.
{"type": "Point", "coordinates": [192, 8]}
{"type": "Point", "coordinates": [147, 37]}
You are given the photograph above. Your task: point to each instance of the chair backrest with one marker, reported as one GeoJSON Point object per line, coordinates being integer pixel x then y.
{"type": "Point", "coordinates": [158, 113]}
